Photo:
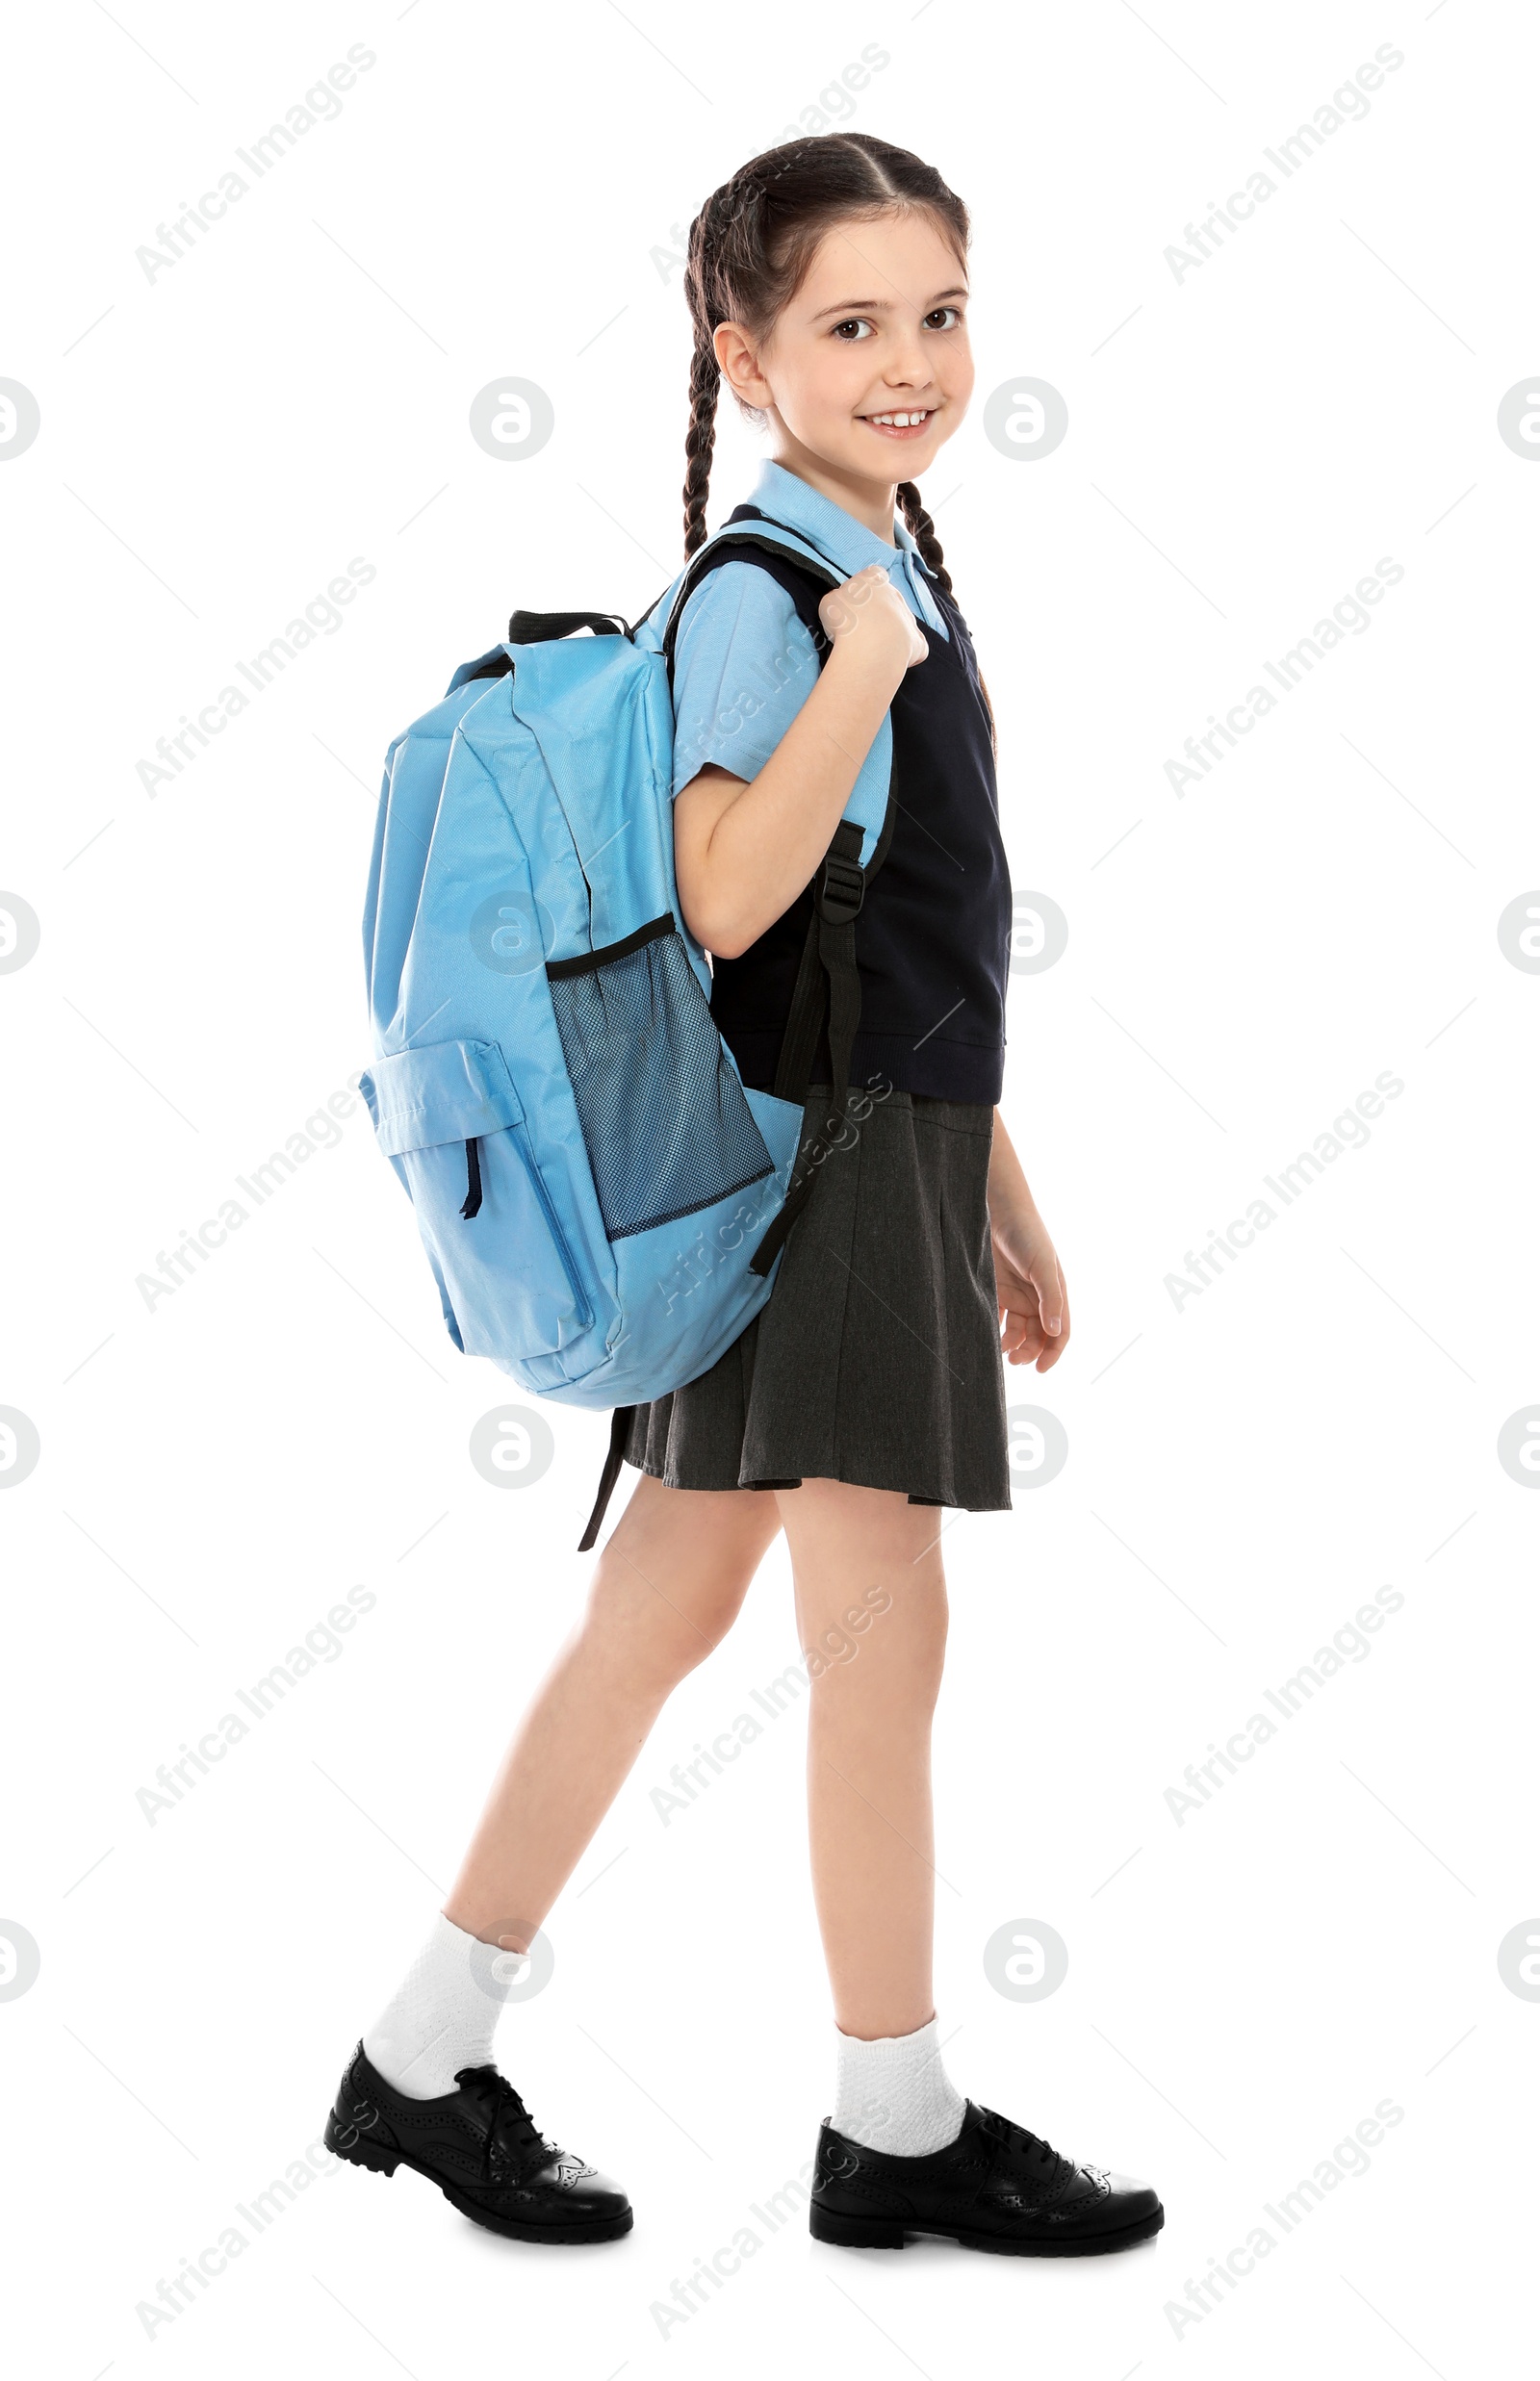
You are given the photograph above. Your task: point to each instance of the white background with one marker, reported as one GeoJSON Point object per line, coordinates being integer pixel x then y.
{"type": "Point", "coordinates": [217, 443]}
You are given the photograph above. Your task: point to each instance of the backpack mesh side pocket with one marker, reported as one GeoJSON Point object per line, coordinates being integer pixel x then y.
{"type": "Point", "coordinates": [664, 1118]}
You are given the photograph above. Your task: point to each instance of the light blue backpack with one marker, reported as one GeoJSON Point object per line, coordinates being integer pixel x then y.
{"type": "Point", "coordinates": [601, 1199]}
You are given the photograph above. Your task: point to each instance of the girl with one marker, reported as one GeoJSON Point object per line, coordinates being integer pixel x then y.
{"type": "Point", "coordinates": [828, 285]}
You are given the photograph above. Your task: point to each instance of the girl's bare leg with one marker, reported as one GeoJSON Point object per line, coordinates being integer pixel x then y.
{"type": "Point", "coordinates": [668, 1586]}
{"type": "Point", "coordinates": [871, 1602]}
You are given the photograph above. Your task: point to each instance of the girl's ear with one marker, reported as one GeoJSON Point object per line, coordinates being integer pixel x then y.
{"type": "Point", "coordinates": [735, 359]}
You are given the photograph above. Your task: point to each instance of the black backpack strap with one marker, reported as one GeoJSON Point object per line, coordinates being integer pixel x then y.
{"type": "Point", "coordinates": [620, 1423]}
{"type": "Point", "coordinates": [804, 580]}
{"type": "Point", "coordinates": [839, 890]}
{"type": "Point", "coordinates": [828, 971]}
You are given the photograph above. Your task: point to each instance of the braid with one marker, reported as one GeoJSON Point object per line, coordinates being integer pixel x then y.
{"type": "Point", "coordinates": [922, 530]}
{"type": "Point", "coordinates": [706, 379]}
{"type": "Point", "coordinates": [709, 304]}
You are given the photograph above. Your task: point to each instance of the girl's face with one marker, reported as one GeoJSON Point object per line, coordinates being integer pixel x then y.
{"type": "Point", "coordinates": [877, 328]}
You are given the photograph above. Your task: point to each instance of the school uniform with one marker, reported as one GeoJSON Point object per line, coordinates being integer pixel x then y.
{"type": "Point", "coordinates": [876, 1359]}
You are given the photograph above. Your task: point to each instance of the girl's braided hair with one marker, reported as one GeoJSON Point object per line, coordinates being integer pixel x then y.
{"type": "Point", "coordinates": [751, 245]}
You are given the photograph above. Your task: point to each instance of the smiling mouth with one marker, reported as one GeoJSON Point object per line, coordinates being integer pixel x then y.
{"type": "Point", "coordinates": [902, 421]}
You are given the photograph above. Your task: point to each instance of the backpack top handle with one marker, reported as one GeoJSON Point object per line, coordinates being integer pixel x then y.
{"type": "Point", "coordinates": [543, 628]}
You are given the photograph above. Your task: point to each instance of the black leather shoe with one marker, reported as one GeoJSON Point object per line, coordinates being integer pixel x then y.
{"type": "Point", "coordinates": [996, 2186]}
{"type": "Point", "coordinates": [480, 2145]}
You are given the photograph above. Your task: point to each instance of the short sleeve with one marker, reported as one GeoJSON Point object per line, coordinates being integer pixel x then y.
{"type": "Point", "coordinates": [743, 666]}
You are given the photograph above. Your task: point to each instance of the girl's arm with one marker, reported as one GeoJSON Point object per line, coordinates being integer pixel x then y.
{"type": "Point", "coordinates": [1034, 1308]}
{"type": "Point", "coordinates": [743, 851]}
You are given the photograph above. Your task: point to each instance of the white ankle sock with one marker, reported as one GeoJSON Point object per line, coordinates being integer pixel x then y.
{"type": "Point", "coordinates": [894, 2094]}
{"type": "Point", "coordinates": [445, 2014]}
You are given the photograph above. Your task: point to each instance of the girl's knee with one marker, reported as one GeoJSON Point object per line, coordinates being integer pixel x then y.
{"type": "Point", "coordinates": [895, 1644]}
{"type": "Point", "coordinates": [653, 1635]}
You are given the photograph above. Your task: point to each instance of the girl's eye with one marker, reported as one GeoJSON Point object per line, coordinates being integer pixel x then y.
{"type": "Point", "coordinates": [859, 322]}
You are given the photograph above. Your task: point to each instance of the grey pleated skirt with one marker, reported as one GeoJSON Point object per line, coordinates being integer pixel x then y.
{"type": "Point", "coordinates": [876, 1359]}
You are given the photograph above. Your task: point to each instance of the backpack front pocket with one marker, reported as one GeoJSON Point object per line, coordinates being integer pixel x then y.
{"type": "Point", "coordinates": [451, 1121]}
{"type": "Point", "coordinates": [664, 1119]}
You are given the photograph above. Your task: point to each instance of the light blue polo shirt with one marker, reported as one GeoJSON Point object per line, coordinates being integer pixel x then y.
{"type": "Point", "coordinates": [743, 662]}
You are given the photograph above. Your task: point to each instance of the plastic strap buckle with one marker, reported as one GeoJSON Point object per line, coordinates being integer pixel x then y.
{"type": "Point", "coordinates": [841, 888]}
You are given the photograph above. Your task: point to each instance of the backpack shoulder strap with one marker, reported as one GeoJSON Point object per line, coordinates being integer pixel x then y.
{"type": "Point", "coordinates": [789, 560]}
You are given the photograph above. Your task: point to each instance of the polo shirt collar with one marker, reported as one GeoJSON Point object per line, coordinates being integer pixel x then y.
{"type": "Point", "coordinates": [838, 534]}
